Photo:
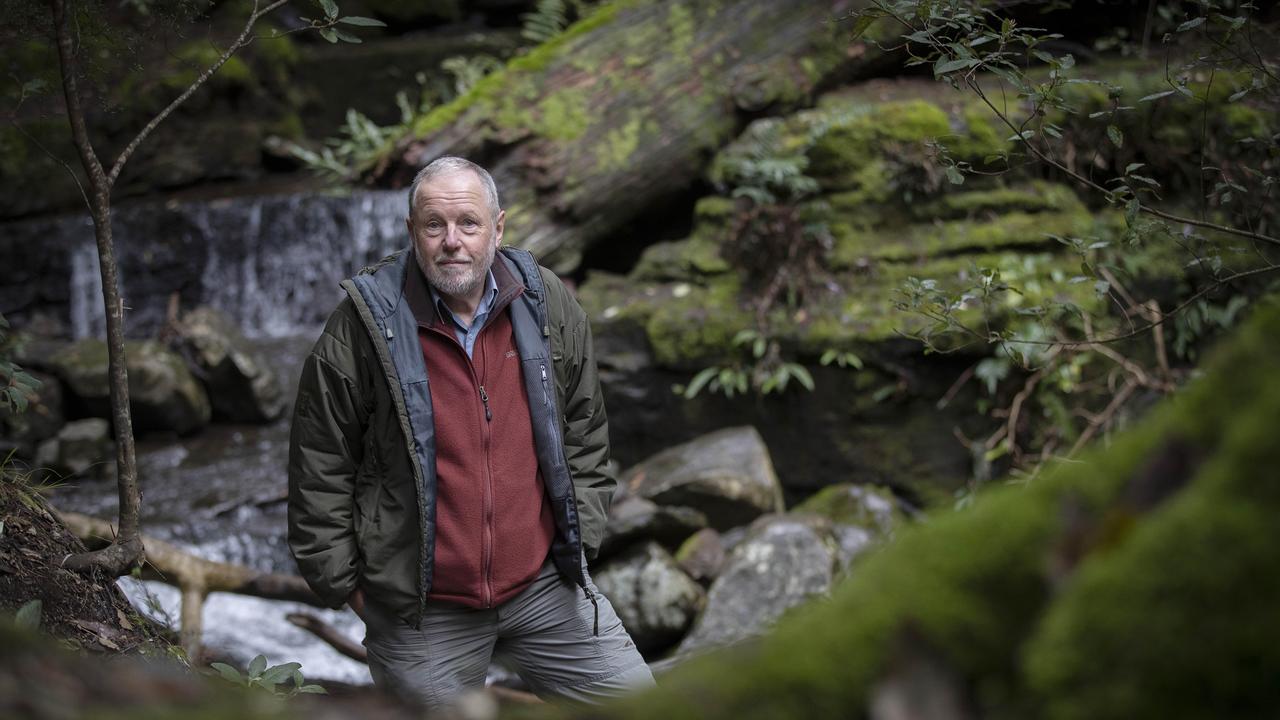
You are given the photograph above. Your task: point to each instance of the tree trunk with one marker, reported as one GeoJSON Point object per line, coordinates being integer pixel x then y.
{"type": "Point", "coordinates": [619, 115]}
{"type": "Point", "coordinates": [126, 551]}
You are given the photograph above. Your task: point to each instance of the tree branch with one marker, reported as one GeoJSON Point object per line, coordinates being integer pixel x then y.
{"type": "Point", "coordinates": [242, 40]}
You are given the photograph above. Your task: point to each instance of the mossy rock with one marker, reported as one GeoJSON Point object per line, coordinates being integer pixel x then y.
{"type": "Point", "coordinates": [163, 394]}
{"type": "Point", "coordinates": [1155, 553]}
{"type": "Point", "coordinates": [871, 508]}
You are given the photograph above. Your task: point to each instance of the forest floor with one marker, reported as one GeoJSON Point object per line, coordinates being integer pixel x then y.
{"type": "Point", "coordinates": [83, 611]}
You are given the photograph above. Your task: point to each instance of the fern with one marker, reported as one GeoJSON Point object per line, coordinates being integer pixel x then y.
{"type": "Point", "coordinates": [548, 19]}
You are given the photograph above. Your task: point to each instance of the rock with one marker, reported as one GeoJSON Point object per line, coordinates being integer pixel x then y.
{"type": "Point", "coordinates": [783, 562]}
{"type": "Point", "coordinates": [163, 395]}
{"type": "Point", "coordinates": [82, 447]}
{"type": "Point", "coordinates": [702, 555]}
{"type": "Point", "coordinates": [726, 474]}
{"type": "Point", "coordinates": [239, 381]}
{"type": "Point", "coordinates": [871, 508]}
{"type": "Point", "coordinates": [634, 518]}
{"type": "Point", "coordinates": [654, 598]}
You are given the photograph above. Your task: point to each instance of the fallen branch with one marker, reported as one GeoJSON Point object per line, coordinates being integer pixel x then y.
{"type": "Point", "coordinates": [330, 635]}
{"type": "Point", "coordinates": [196, 577]}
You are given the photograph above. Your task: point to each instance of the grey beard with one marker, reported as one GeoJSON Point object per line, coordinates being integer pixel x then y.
{"type": "Point", "coordinates": [457, 284]}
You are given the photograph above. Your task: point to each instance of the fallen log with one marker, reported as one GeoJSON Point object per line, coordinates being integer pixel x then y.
{"type": "Point", "coordinates": [595, 132]}
{"type": "Point", "coordinates": [196, 577]}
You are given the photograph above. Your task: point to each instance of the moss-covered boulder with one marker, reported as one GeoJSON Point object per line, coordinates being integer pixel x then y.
{"type": "Point", "coordinates": [1135, 582]}
{"type": "Point", "coordinates": [873, 509]}
{"type": "Point", "coordinates": [163, 394]}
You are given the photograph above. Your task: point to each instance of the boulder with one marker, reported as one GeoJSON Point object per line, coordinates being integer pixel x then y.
{"type": "Point", "coordinates": [163, 394]}
{"type": "Point", "coordinates": [83, 448]}
{"type": "Point", "coordinates": [239, 381]}
{"type": "Point", "coordinates": [783, 562]}
{"type": "Point", "coordinates": [635, 519]}
{"type": "Point", "coordinates": [702, 555]}
{"type": "Point", "coordinates": [871, 508]}
{"type": "Point", "coordinates": [727, 475]}
{"type": "Point", "coordinates": [653, 597]}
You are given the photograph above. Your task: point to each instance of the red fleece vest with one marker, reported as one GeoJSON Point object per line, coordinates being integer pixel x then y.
{"type": "Point", "coordinates": [494, 525]}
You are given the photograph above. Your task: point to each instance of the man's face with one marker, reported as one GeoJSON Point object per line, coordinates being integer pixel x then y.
{"type": "Point", "coordinates": [454, 233]}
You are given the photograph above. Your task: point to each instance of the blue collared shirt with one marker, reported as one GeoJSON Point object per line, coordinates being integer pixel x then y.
{"type": "Point", "coordinates": [467, 334]}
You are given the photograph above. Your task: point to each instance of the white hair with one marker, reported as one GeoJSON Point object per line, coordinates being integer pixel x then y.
{"type": "Point", "coordinates": [448, 164]}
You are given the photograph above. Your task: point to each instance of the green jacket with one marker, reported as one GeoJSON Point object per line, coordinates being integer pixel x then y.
{"type": "Point", "coordinates": [361, 456]}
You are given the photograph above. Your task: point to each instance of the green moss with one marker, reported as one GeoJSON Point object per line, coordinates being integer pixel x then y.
{"type": "Point", "coordinates": [682, 30]}
{"type": "Point", "coordinates": [849, 504]}
{"type": "Point", "coordinates": [1184, 605]}
{"type": "Point", "coordinates": [1181, 608]}
{"type": "Point", "coordinates": [565, 114]}
{"type": "Point", "coordinates": [1034, 197]}
{"type": "Point", "coordinates": [1019, 229]}
{"type": "Point", "coordinates": [692, 326]}
{"type": "Point", "coordinates": [618, 145]}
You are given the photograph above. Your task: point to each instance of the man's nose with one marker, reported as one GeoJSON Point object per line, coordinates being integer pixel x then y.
{"type": "Point", "coordinates": [452, 238]}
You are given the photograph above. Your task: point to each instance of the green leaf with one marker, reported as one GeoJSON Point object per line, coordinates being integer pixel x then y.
{"type": "Point", "coordinates": [1237, 95]}
{"type": "Point", "coordinates": [1156, 96]}
{"type": "Point", "coordinates": [1102, 287]}
{"type": "Point", "coordinates": [313, 689]}
{"type": "Point", "coordinates": [954, 176]}
{"type": "Point", "coordinates": [1133, 166]}
{"type": "Point", "coordinates": [943, 67]}
{"type": "Point", "coordinates": [1191, 24]}
{"type": "Point", "coordinates": [279, 673]}
{"type": "Point", "coordinates": [329, 34]}
{"type": "Point", "coordinates": [700, 381]}
{"type": "Point", "coordinates": [330, 8]}
{"type": "Point", "coordinates": [228, 673]}
{"type": "Point", "coordinates": [864, 21]}
{"type": "Point", "coordinates": [28, 616]}
{"type": "Point", "coordinates": [361, 21]}
{"type": "Point", "coordinates": [1116, 137]}
{"type": "Point", "coordinates": [346, 36]}
{"type": "Point", "coordinates": [801, 374]}
{"type": "Point", "coordinates": [257, 665]}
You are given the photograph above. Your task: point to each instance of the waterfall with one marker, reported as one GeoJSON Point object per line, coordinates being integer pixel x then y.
{"type": "Point", "coordinates": [271, 263]}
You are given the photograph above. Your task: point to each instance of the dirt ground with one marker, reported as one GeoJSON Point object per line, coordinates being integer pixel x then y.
{"type": "Point", "coordinates": [86, 612]}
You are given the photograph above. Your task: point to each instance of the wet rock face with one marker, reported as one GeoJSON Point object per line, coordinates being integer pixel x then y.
{"type": "Point", "coordinates": [241, 385]}
{"type": "Point", "coordinates": [654, 598]}
{"type": "Point", "coordinates": [163, 395]}
{"type": "Point", "coordinates": [783, 562]}
{"type": "Point", "coordinates": [726, 474]}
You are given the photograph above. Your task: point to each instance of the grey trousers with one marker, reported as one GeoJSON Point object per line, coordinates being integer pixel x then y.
{"type": "Point", "coordinates": [545, 633]}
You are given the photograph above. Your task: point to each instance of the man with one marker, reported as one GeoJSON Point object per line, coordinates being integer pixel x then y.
{"type": "Point", "coordinates": [447, 466]}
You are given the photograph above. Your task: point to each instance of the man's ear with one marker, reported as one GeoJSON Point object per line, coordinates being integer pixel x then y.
{"type": "Point", "coordinates": [408, 224]}
{"type": "Point", "coordinates": [498, 227]}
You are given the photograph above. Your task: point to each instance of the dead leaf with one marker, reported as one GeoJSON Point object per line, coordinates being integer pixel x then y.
{"type": "Point", "coordinates": [124, 621]}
